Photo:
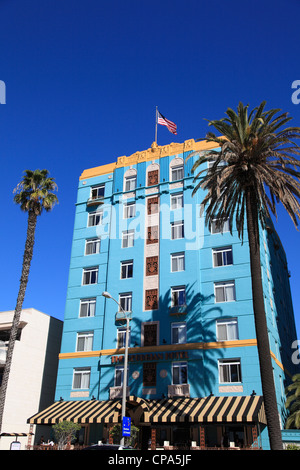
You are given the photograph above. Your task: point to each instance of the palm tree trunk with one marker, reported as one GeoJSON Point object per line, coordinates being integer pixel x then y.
{"type": "Point", "coordinates": [266, 369]}
{"type": "Point", "coordinates": [28, 252]}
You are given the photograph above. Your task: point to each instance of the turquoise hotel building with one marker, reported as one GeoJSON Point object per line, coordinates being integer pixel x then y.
{"type": "Point", "coordinates": [193, 369]}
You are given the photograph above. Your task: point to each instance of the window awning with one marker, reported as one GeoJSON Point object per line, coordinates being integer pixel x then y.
{"type": "Point", "coordinates": [79, 411]}
{"type": "Point", "coordinates": [210, 409]}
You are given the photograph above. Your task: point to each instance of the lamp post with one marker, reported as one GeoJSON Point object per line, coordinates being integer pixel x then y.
{"type": "Point", "coordinates": [108, 296]}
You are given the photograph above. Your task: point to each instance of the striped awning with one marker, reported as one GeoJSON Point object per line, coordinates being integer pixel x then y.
{"type": "Point", "coordinates": [208, 410]}
{"type": "Point", "coordinates": [79, 411]}
{"type": "Point", "coordinates": [16, 434]}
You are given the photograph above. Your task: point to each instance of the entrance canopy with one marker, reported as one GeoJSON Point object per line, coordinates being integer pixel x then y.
{"type": "Point", "coordinates": [208, 410]}
{"type": "Point", "coordinates": [168, 410]}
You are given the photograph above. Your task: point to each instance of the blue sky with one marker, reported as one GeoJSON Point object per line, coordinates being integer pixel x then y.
{"type": "Point", "coordinates": [83, 79]}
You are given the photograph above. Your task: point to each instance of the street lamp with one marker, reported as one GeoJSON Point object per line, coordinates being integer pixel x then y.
{"type": "Point", "coordinates": [108, 296]}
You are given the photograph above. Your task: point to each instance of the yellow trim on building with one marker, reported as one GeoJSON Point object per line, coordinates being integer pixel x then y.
{"type": "Point", "coordinates": [153, 153]}
{"type": "Point", "coordinates": [162, 348]}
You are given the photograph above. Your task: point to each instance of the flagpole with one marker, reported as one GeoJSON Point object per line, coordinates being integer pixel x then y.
{"type": "Point", "coordinates": [156, 126]}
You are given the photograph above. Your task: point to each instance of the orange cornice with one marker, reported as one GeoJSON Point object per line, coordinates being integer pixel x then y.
{"type": "Point", "coordinates": [153, 153]}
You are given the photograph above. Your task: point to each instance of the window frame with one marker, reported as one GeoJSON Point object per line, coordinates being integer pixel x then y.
{"type": "Point", "coordinates": [89, 302]}
{"type": "Point", "coordinates": [175, 171]}
{"type": "Point", "coordinates": [121, 336]}
{"type": "Point", "coordinates": [80, 371]}
{"type": "Point", "coordinates": [127, 209]}
{"type": "Point", "coordinates": [97, 188]}
{"type": "Point", "coordinates": [92, 216]}
{"type": "Point", "coordinates": [223, 250]}
{"type": "Point", "coordinates": [175, 290]}
{"type": "Point", "coordinates": [231, 362]}
{"type": "Point", "coordinates": [180, 366]}
{"type": "Point", "coordinates": [180, 255]}
{"type": "Point", "coordinates": [175, 197]}
{"type": "Point", "coordinates": [126, 236]}
{"type": "Point", "coordinates": [175, 230]}
{"type": "Point", "coordinates": [179, 326]}
{"type": "Point", "coordinates": [127, 296]}
{"type": "Point", "coordinates": [87, 337]}
{"type": "Point", "coordinates": [126, 264]}
{"type": "Point", "coordinates": [223, 285]}
{"type": "Point", "coordinates": [95, 241]}
{"type": "Point", "coordinates": [227, 323]}
{"type": "Point", "coordinates": [91, 270]}
{"type": "Point", "coordinates": [132, 180]}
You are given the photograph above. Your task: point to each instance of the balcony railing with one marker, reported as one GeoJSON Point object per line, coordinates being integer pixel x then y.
{"type": "Point", "coordinates": [96, 200]}
{"type": "Point", "coordinates": [120, 317]}
{"type": "Point", "coordinates": [117, 392]}
{"type": "Point", "coordinates": [179, 390]}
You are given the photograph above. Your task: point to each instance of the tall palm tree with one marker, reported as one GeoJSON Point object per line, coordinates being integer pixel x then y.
{"type": "Point", "coordinates": [34, 194]}
{"type": "Point", "coordinates": [254, 167]}
{"type": "Point", "coordinates": [293, 403]}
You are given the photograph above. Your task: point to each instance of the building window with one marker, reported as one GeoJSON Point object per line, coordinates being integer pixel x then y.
{"type": "Point", "coordinates": [230, 370]}
{"type": "Point", "coordinates": [95, 218]}
{"type": "Point", "coordinates": [178, 333]}
{"type": "Point", "coordinates": [97, 192]}
{"type": "Point", "coordinates": [92, 246]}
{"type": "Point", "coordinates": [90, 276]}
{"type": "Point", "coordinates": [149, 374]}
{"type": "Point", "coordinates": [176, 201]}
{"type": "Point", "coordinates": [225, 227]}
{"type": "Point", "coordinates": [126, 269]}
{"type": "Point", "coordinates": [129, 210]}
{"type": "Point", "coordinates": [149, 334]}
{"type": "Point", "coordinates": [152, 234]}
{"type": "Point", "coordinates": [151, 265]}
{"type": "Point", "coordinates": [177, 262]}
{"type": "Point", "coordinates": [177, 230]}
{"type": "Point", "coordinates": [178, 296]}
{"type": "Point", "coordinates": [85, 341]}
{"type": "Point", "coordinates": [125, 300]}
{"type": "Point", "coordinates": [81, 378]}
{"type": "Point", "coordinates": [128, 239]}
{"type": "Point", "coordinates": [152, 205]}
{"type": "Point", "coordinates": [130, 183]}
{"type": "Point", "coordinates": [177, 173]}
{"type": "Point", "coordinates": [222, 256]}
{"type": "Point", "coordinates": [227, 329]}
{"type": "Point", "coordinates": [151, 299]}
{"type": "Point", "coordinates": [225, 291]}
{"type": "Point", "coordinates": [119, 376]}
{"type": "Point", "coordinates": [179, 373]}
{"type": "Point", "coordinates": [121, 337]}
{"type": "Point", "coordinates": [152, 178]}
{"type": "Point", "coordinates": [87, 308]}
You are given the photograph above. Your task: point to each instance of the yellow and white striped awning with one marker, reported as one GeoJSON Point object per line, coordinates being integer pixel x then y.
{"type": "Point", "coordinates": [208, 410]}
{"type": "Point", "coordinates": [79, 411]}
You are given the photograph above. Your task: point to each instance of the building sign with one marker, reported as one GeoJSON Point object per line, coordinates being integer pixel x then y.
{"type": "Point", "coordinates": [126, 426]}
{"type": "Point", "coordinates": [171, 356]}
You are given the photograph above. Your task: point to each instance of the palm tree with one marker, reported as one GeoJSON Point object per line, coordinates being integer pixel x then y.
{"type": "Point", "coordinates": [34, 194]}
{"type": "Point", "coordinates": [293, 403]}
{"type": "Point", "coordinates": [254, 167]}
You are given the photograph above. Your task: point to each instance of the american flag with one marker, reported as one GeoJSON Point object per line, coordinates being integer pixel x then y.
{"type": "Point", "coordinates": [165, 122]}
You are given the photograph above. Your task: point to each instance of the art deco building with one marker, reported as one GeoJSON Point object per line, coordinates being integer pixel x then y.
{"type": "Point", "coordinates": [193, 369]}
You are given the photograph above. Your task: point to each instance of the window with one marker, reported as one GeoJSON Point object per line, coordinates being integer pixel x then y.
{"type": "Point", "coordinates": [225, 291]}
{"type": "Point", "coordinates": [125, 300]}
{"type": "Point", "coordinates": [222, 256]}
{"type": "Point", "coordinates": [126, 269]}
{"type": "Point", "coordinates": [92, 246]}
{"type": "Point", "coordinates": [81, 378]}
{"type": "Point", "coordinates": [90, 276]}
{"type": "Point", "coordinates": [149, 374]}
{"type": "Point", "coordinates": [128, 239]}
{"type": "Point", "coordinates": [177, 230]}
{"type": "Point", "coordinates": [121, 337]}
{"type": "Point", "coordinates": [95, 218]}
{"type": "Point", "coordinates": [130, 183]}
{"type": "Point", "coordinates": [227, 330]}
{"type": "Point", "coordinates": [177, 173]}
{"type": "Point", "coordinates": [87, 308]}
{"type": "Point", "coordinates": [129, 210]}
{"type": "Point", "coordinates": [225, 227]}
{"type": "Point", "coordinates": [177, 262]}
{"type": "Point", "coordinates": [149, 334]}
{"type": "Point", "coordinates": [176, 201]}
{"type": "Point", "coordinates": [119, 375]}
{"type": "Point", "coordinates": [179, 373]}
{"type": "Point", "coordinates": [177, 296]}
{"type": "Point", "coordinates": [230, 370]}
{"type": "Point", "coordinates": [152, 178]}
{"type": "Point", "coordinates": [85, 341]}
{"type": "Point", "coordinates": [178, 333]}
{"type": "Point", "coordinates": [97, 192]}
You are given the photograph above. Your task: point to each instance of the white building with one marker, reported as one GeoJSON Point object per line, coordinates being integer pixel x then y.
{"type": "Point", "coordinates": [32, 380]}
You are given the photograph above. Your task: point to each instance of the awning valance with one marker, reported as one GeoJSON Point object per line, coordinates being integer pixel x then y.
{"type": "Point", "coordinates": [209, 409]}
{"type": "Point", "coordinates": [89, 411]}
